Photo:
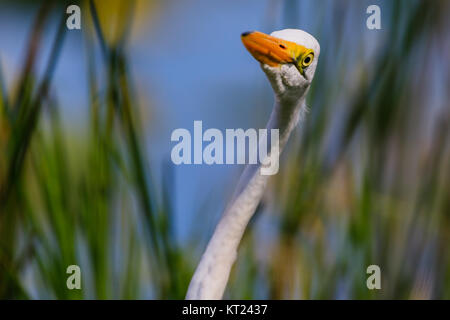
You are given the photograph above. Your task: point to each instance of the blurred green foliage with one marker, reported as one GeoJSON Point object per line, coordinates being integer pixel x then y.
{"type": "Point", "coordinates": [368, 187]}
{"type": "Point", "coordinates": [67, 212]}
{"type": "Point", "coordinates": [370, 180]}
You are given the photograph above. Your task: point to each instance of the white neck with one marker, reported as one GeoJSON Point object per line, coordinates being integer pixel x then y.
{"type": "Point", "coordinates": [211, 276]}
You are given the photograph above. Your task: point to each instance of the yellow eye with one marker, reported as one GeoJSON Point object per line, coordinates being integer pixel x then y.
{"type": "Point", "coordinates": [307, 59]}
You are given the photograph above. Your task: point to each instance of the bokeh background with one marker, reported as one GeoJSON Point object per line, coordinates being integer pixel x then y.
{"type": "Point", "coordinates": [85, 171]}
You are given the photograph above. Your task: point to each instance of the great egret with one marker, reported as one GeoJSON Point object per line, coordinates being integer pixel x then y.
{"type": "Point", "coordinates": [289, 59]}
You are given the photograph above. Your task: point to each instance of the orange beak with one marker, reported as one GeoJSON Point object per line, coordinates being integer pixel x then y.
{"type": "Point", "coordinates": [270, 50]}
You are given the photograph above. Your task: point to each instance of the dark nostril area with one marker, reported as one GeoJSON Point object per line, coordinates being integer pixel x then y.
{"type": "Point", "coordinates": [246, 33]}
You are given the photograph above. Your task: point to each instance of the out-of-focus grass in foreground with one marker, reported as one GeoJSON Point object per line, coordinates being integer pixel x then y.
{"type": "Point", "coordinates": [57, 211]}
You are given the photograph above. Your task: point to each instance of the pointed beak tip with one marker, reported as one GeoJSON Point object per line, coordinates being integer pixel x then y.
{"type": "Point", "coordinates": [246, 33]}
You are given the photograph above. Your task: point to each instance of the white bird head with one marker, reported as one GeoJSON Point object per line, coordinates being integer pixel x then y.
{"type": "Point", "coordinates": [288, 57]}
